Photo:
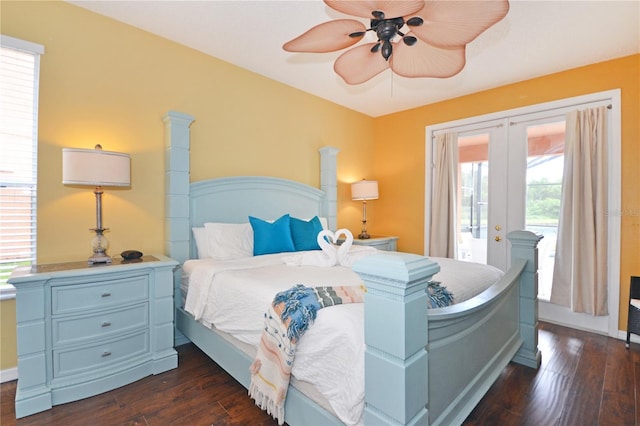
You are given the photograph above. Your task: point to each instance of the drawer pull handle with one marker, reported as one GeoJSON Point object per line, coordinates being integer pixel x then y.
{"type": "Point", "coordinates": [106, 324]}
{"type": "Point", "coordinates": [106, 354]}
{"type": "Point", "coordinates": [106, 294]}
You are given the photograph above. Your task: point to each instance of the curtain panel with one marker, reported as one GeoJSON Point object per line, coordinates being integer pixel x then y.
{"type": "Point", "coordinates": [444, 216]}
{"type": "Point", "coordinates": [580, 269]}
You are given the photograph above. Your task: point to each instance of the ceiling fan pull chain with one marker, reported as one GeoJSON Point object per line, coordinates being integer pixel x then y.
{"type": "Point", "coordinates": [391, 82]}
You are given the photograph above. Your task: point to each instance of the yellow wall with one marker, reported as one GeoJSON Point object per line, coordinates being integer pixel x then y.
{"type": "Point", "coordinates": [109, 83]}
{"type": "Point", "coordinates": [8, 347]}
{"type": "Point", "coordinates": [400, 151]}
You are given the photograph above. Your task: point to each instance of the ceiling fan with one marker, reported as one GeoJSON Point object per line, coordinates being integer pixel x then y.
{"type": "Point", "coordinates": [423, 38]}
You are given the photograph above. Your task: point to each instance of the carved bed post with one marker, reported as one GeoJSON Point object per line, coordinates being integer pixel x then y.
{"type": "Point", "coordinates": [177, 140]}
{"type": "Point", "coordinates": [177, 229]}
{"type": "Point", "coordinates": [329, 184]}
{"type": "Point", "coordinates": [524, 245]}
{"type": "Point", "coordinates": [396, 335]}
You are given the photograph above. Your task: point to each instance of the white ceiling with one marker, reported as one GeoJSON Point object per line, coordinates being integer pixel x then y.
{"type": "Point", "coordinates": [535, 38]}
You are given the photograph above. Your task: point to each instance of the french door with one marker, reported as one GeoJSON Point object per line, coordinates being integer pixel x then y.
{"type": "Point", "coordinates": [510, 177]}
{"type": "Point", "coordinates": [536, 157]}
{"type": "Point", "coordinates": [510, 169]}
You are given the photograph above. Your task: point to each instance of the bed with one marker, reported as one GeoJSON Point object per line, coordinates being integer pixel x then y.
{"type": "Point", "coordinates": [420, 366]}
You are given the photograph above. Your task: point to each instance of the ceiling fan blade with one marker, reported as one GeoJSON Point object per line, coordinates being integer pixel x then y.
{"type": "Point", "coordinates": [363, 8]}
{"type": "Point", "coordinates": [425, 60]}
{"type": "Point", "coordinates": [327, 37]}
{"type": "Point", "coordinates": [360, 64]}
{"type": "Point", "coordinates": [458, 22]}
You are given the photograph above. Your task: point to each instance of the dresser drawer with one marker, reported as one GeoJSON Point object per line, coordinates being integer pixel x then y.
{"type": "Point", "coordinates": [385, 243]}
{"type": "Point", "coordinates": [388, 245]}
{"type": "Point", "coordinates": [92, 357]}
{"type": "Point", "coordinates": [98, 294]}
{"type": "Point", "coordinates": [68, 330]}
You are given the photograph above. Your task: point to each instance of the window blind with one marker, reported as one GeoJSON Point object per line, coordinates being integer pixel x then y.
{"type": "Point", "coordinates": [19, 77]}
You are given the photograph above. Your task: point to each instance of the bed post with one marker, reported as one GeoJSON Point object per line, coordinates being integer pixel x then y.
{"type": "Point", "coordinates": [396, 335]}
{"type": "Point", "coordinates": [329, 184]}
{"type": "Point", "coordinates": [177, 182]}
{"type": "Point", "coordinates": [524, 245]}
{"type": "Point", "coordinates": [177, 139]}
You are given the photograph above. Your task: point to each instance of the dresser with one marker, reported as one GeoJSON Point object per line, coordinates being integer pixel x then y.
{"type": "Point", "coordinates": [378, 241]}
{"type": "Point", "coordinates": [86, 329]}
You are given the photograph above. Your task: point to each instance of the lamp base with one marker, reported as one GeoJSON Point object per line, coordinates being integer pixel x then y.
{"type": "Point", "coordinates": [364, 236]}
{"type": "Point", "coordinates": [100, 244]}
{"type": "Point", "coordinates": [99, 258]}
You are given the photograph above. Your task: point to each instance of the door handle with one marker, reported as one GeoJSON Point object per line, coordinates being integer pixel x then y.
{"type": "Point", "coordinates": [498, 238]}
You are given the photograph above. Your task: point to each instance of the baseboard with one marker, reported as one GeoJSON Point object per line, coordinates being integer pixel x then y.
{"type": "Point", "coordinates": [622, 335]}
{"type": "Point", "coordinates": [560, 315]}
{"type": "Point", "coordinates": [9, 374]}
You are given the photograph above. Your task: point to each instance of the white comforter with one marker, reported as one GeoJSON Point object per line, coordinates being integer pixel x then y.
{"type": "Point", "coordinates": [233, 296]}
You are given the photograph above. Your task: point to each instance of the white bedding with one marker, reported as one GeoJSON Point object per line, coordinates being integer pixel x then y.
{"type": "Point", "coordinates": [233, 296]}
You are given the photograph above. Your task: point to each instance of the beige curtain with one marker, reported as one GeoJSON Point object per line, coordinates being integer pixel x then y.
{"type": "Point", "coordinates": [580, 270]}
{"type": "Point", "coordinates": [442, 241]}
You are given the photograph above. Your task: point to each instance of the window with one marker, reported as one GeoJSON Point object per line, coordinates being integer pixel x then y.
{"type": "Point", "coordinates": [19, 75]}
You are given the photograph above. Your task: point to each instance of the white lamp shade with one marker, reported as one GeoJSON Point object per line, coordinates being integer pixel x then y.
{"type": "Point", "coordinates": [95, 167]}
{"type": "Point", "coordinates": [364, 190]}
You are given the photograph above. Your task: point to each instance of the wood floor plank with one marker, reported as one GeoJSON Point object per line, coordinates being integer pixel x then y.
{"type": "Point", "coordinates": [584, 397]}
{"type": "Point", "coordinates": [492, 414]}
{"type": "Point", "coordinates": [618, 405]}
{"type": "Point", "coordinates": [617, 409]}
{"type": "Point", "coordinates": [545, 401]}
{"type": "Point", "coordinates": [560, 351]}
{"type": "Point", "coordinates": [619, 375]}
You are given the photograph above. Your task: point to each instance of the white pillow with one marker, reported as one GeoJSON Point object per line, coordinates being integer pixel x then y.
{"type": "Point", "coordinates": [226, 241]}
{"type": "Point", "coordinates": [202, 244]}
{"type": "Point", "coordinates": [324, 222]}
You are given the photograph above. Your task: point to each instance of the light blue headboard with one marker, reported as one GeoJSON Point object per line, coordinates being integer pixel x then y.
{"type": "Point", "coordinates": [233, 199]}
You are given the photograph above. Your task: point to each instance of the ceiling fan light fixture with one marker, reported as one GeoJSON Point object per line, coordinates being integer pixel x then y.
{"type": "Point", "coordinates": [416, 21]}
{"type": "Point", "coordinates": [434, 47]}
{"type": "Point", "coordinates": [409, 40]}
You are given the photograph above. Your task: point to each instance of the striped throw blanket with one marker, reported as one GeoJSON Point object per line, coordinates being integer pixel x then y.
{"type": "Point", "coordinates": [439, 296]}
{"type": "Point", "coordinates": [286, 320]}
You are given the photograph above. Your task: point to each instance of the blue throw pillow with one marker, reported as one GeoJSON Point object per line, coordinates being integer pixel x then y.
{"type": "Point", "coordinates": [305, 233]}
{"type": "Point", "coordinates": [271, 237]}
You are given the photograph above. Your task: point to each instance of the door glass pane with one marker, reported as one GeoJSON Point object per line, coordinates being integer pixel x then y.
{"type": "Point", "coordinates": [545, 162]}
{"type": "Point", "coordinates": [473, 197]}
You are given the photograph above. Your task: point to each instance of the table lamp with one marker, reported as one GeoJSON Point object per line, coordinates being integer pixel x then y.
{"type": "Point", "coordinates": [362, 191]}
{"type": "Point", "coordinates": [97, 168]}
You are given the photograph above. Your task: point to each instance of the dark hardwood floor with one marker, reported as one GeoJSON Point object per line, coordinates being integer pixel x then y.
{"type": "Point", "coordinates": [585, 379]}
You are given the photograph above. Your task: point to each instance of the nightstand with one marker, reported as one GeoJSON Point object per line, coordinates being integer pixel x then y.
{"type": "Point", "coordinates": [378, 241]}
{"type": "Point", "coordinates": [86, 329]}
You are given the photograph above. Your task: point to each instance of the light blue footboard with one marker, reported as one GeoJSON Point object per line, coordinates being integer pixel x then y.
{"type": "Point", "coordinates": [432, 366]}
